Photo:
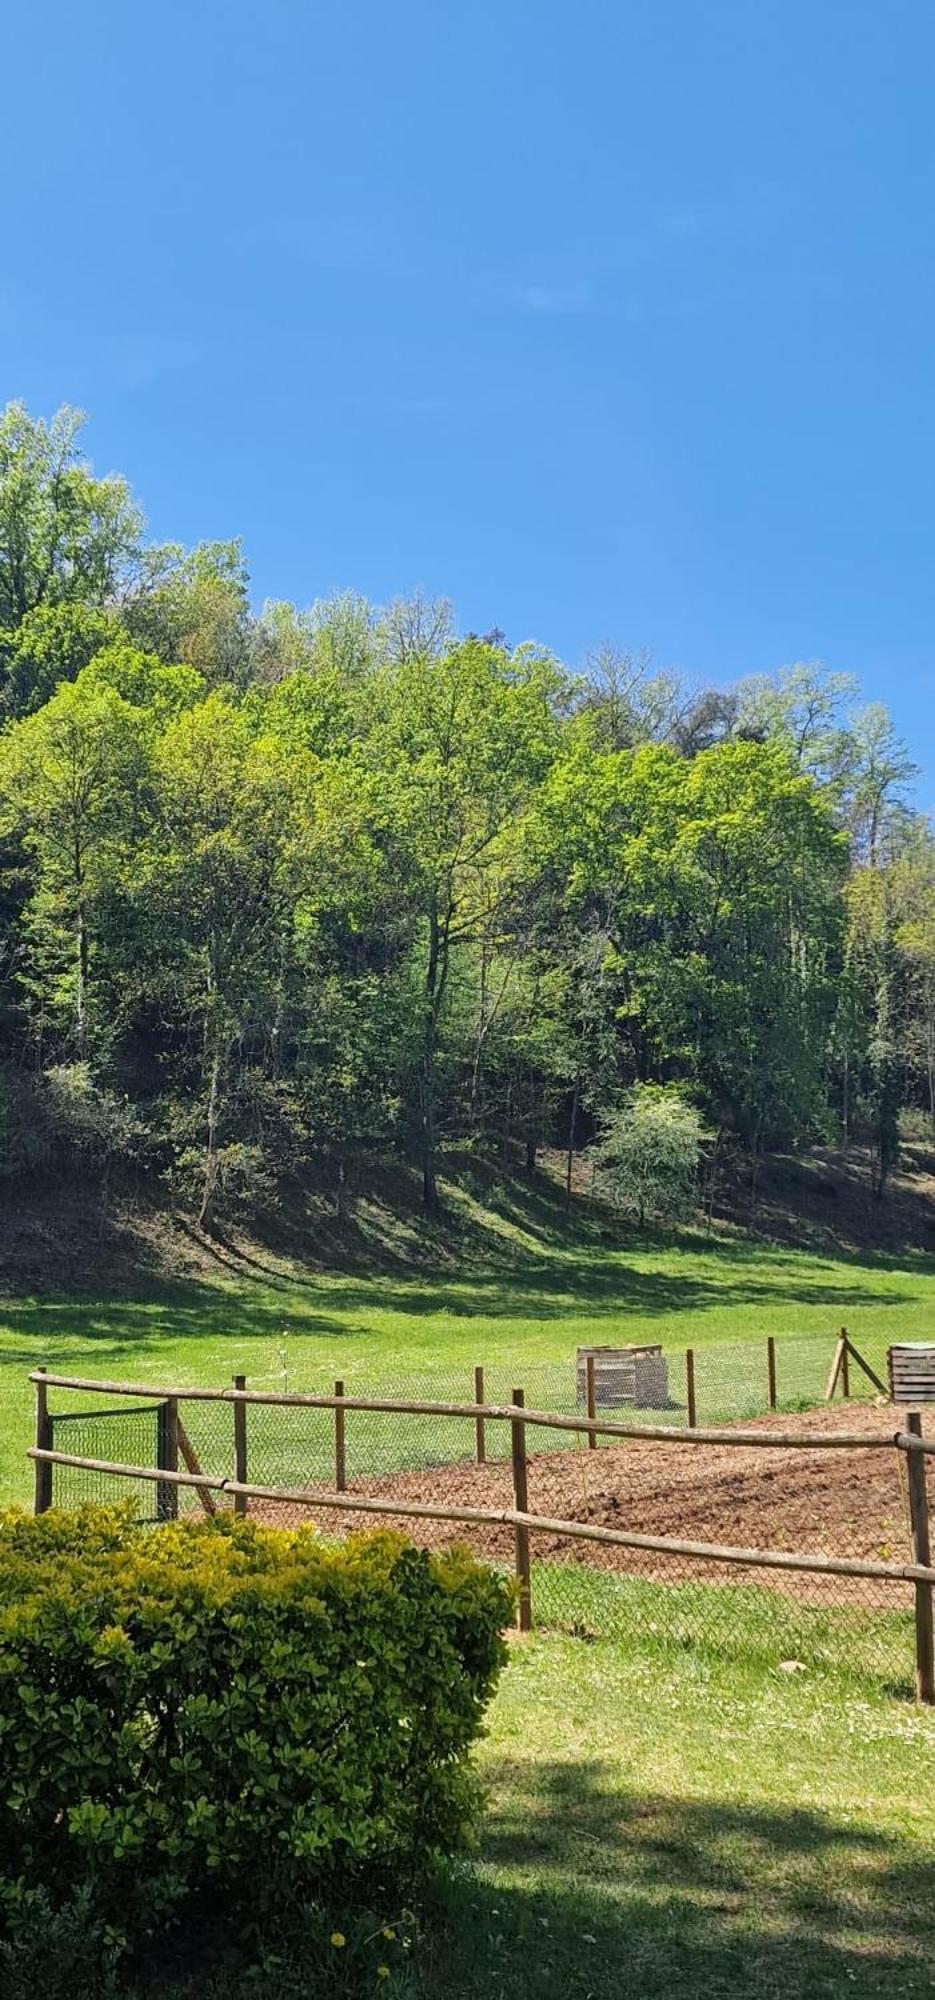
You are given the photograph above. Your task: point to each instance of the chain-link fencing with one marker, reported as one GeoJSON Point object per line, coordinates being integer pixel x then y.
{"type": "Point", "coordinates": [812, 1499]}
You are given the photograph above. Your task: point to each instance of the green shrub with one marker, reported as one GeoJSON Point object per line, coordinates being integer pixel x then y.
{"type": "Point", "coordinates": [223, 1715]}
{"type": "Point", "coordinates": [648, 1152]}
{"type": "Point", "coordinates": [66, 1952]}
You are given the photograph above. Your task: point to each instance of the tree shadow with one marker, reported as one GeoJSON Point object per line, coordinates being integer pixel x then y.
{"type": "Point", "coordinates": [251, 1306]}
{"type": "Point", "coordinates": [601, 1893]}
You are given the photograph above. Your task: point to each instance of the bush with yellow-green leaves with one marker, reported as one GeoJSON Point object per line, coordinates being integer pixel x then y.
{"type": "Point", "coordinates": [220, 1715]}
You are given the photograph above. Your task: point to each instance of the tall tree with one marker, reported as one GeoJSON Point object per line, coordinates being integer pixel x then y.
{"type": "Point", "coordinates": [463, 739]}
{"type": "Point", "coordinates": [65, 537]}
{"type": "Point", "coordinates": [212, 881]}
{"type": "Point", "coordinates": [72, 779]}
{"type": "Point", "coordinates": [194, 605]}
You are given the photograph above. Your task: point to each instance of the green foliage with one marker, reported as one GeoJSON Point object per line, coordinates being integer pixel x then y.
{"type": "Point", "coordinates": [51, 644]}
{"type": "Point", "coordinates": [220, 1715]}
{"type": "Point", "coordinates": [648, 1153]}
{"type": "Point", "coordinates": [194, 606]}
{"type": "Point", "coordinates": [338, 880]}
{"type": "Point", "coordinates": [65, 537]}
{"type": "Point", "coordinates": [65, 1949]}
{"type": "Point", "coordinates": [88, 1121]}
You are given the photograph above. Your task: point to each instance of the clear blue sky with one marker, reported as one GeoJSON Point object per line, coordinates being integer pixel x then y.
{"type": "Point", "coordinates": [606, 320]}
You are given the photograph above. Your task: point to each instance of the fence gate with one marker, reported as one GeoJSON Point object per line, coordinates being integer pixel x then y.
{"type": "Point", "coordinates": [127, 1436]}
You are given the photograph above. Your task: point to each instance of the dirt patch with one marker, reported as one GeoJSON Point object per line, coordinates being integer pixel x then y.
{"type": "Point", "coordinates": [823, 1502]}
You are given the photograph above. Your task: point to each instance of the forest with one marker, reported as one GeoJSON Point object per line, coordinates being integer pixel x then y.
{"type": "Point", "coordinates": [309, 886]}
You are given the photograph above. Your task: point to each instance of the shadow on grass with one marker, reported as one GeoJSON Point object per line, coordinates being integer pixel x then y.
{"type": "Point", "coordinates": [651, 1278]}
{"type": "Point", "coordinates": [586, 1891]}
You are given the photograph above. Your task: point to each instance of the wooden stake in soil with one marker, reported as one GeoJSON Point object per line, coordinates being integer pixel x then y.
{"type": "Point", "coordinates": [836, 1367]}
{"type": "Point", "coordinates": [871, 1373]}
{"type": "Point", "coordinates": [521, 1504]}
{"type": "Point", "coordinates": [43, 1488]}
{"type": "Point", "coordinates": [921, 1553]}
{"type": "Point", "coordinates": [690, 1386]}
{"type": "Point", "coordinates": [167, 1458]}
{"type": "Point", "coordinates": [240, 1446]}
{"type": "Point", "coordinates": [206, 1500]}
{"type": "Point", "coordinates": [480, 1436]}
{"type": "Point", "coordinates": [844, 1353]}
{"type": "Point", "coordinates": [340, 1456]}
{"type": "Point", "coordinates": [592, 1404]}
{"type": "Point", "coordinates": [771, 1369]}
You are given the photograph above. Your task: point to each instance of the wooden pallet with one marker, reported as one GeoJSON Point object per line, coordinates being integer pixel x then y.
{"type": "Point", "coordinates": [911, 1368]}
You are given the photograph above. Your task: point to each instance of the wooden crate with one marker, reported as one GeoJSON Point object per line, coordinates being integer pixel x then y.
{"type": "Point", "coordinates": [911, 1368]}
{"type": "Point", "coordinates": [622, 1375]}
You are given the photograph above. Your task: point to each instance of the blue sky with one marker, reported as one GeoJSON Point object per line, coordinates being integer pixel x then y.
{"type": "Point", "coordinates": [605, 320]}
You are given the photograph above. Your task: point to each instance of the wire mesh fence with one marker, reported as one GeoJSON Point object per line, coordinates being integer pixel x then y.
{"type": "Point", "coordinates": [731, 1383]}
{"type": "Point", "coordinates": [809, 1499]}
{"type": "Point", "coordinates": [132, 1435]}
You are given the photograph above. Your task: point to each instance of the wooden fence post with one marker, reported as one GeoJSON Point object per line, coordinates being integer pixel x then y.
{"type": "Point", "coordinates": [845, 1363]}
{"type": "Point", "coordinates": [690, 1386]}
{"type": "Point", "coordinates": [836, 1367]}
{"type": "Point", "coordinates": [521, 1504]}
{"type": "Point", "coordinates": [592, 1403]}
{"type": "Point", "coordinates": [240, 1446]}
{"type": "Point", "coordinates": [921, 1553]}
{"type": "Point", "coordinates": [340, 1454]}
{"type": "Point", "coordinates": [43, 1489]}
{"type": "Point", "coordinates": [480, 1439]}
{"type": "Point", "coordinates": [771, 1369]}
{"type": "Point", "coordinates": [167, 1458]}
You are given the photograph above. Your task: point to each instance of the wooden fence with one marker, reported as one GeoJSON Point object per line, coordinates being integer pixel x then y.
{"type": "Point", "coordinates": [174, 1444]}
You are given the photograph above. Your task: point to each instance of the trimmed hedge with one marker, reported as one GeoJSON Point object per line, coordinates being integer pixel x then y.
{"type": "Point", "coordinates": [227, 1714]}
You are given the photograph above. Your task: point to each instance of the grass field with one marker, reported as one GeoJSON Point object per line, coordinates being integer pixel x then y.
{"type": "Point", "coordinates": [673, 1815]}
{"type": "Point", "coordinates": [370, 1329]}
{"type": "Point", "coordinates": [661, 1825]}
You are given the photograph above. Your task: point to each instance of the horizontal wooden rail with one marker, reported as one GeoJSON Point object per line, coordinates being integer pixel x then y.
{"type": "Point", "coordinates": [505, 1413]}
{"type": "Point", "coordinates": [507, 1517]}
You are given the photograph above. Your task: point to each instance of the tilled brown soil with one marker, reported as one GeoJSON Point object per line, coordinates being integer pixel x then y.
{"type": "Point", "coordinates": [842, 1502]}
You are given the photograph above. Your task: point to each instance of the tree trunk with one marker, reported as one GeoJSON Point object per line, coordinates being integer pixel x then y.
{"type": "Point", "coordinates": [530, 1156]}
{"type": "Point", "coordinates": [930, 1066]}
{"type": "Point", "coordinates": [572, 1127]}
{"type": "Point", "coordinates": [81, 956]}
{"type": "Point", "coordinates": [477, 1122]}
{"type": "Point", "coordinates": [206, 1212]}
{"type": "Point", "coordinates": [434, 981]}
{"type": "Point", "coordinates": [81, 993]}
{"type": "Point", "coordinates": [757, 1162]}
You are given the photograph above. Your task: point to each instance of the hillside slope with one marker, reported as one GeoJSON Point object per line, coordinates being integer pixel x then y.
{"type": "Point", "coordinates": [79, 1236]}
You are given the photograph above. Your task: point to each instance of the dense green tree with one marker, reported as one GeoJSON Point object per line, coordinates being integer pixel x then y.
{"type": "Point", "coordinates": [914, 888]}
{"type": "Point", "coordinates": [72, 781]}
{"type": "Point", "coordinates": [463, 740]}
{"type": "Point", "coordinates": [716, 882]}
{"type": "Point", "coordinates": [213, 884]}
{"type": "Point", "coordinates": [311, 884]}
{"type": "Point", "coordinates": [194, 605]}
{"type": "Point", "coordinates": [51, 644]}
{"type": "Point", "coordinates": [65, 537]}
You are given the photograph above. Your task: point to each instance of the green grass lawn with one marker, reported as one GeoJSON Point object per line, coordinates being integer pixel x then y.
{"type": "Point", "coordinates": [663, 1825]}
{"type": "Point", "coordinates": [521, 1318]}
